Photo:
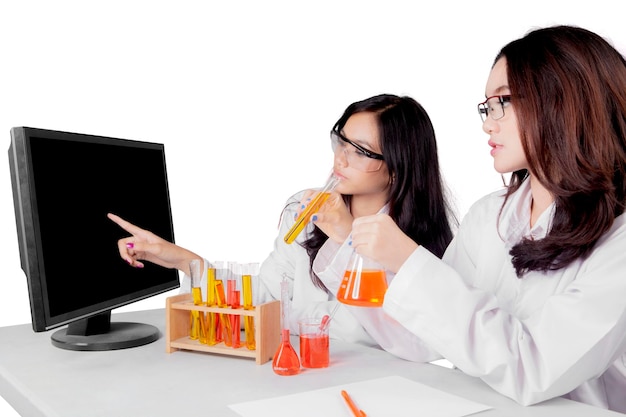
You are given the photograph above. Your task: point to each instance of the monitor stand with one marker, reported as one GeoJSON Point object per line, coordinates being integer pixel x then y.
{"type": "Point", "coordinates": [99, 333]}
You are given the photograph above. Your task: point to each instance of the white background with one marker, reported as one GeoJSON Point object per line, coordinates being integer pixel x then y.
{"type": "Point", "coordinates": [243, 95]}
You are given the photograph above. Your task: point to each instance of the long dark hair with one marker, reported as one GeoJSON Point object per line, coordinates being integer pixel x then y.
{"type": "Point", "coordinates": [568, 88]}
{"type": "Point", "coordinates": [417, 198]}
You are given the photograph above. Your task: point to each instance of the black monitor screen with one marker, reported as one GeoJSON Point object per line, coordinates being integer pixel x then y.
{"type": "Point", "coordinates": [64, 185]}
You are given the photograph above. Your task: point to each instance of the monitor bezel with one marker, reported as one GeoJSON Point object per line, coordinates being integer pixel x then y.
{"type": "Point", "coordinates": [29, 231]}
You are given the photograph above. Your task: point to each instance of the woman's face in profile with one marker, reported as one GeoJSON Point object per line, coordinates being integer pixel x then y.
{"type": "Point", "coordinates": [504, 137]}
{"type": "Point", "coordinates": [352, 166]}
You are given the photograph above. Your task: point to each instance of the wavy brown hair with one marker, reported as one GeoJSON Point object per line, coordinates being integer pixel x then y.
{"type": "Point", "coordinates": [568, 88]}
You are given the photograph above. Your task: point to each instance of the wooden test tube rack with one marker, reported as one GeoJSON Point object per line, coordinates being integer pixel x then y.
{"type": "Point", "coordinates": [266, 328]}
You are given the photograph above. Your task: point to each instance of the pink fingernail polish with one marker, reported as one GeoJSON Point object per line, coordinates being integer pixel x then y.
{"type": "Point", "coordinates": [130, 245]}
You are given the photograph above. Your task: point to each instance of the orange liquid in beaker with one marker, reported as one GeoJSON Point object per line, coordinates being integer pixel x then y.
{"type": "Point", "coordinates": [368, 291]}
{"type": "Point", "coordinates": [314, 350]}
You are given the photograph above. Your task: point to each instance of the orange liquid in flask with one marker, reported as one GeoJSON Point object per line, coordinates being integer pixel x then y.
{"type": "Point", "coordinates": [368, 291]}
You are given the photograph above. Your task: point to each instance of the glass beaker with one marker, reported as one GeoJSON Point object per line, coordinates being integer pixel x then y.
{"type": "Point", "coordinates": [364, 283]}
{"type": "Point", "coordinates": [314, 343]}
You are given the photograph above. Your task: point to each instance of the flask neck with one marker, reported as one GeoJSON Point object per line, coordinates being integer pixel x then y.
{"type": "Point", "coordinates": [285, 335]}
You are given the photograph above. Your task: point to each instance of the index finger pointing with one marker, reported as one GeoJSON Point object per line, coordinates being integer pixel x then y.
{"type": "Point", "coordinates": [129, 227]}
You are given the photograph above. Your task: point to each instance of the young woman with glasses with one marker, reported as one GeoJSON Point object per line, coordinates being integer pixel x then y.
{"type": "Point", "coordinates": [530, 296]}
{"type": "Point", "coordinates": [385, 155]}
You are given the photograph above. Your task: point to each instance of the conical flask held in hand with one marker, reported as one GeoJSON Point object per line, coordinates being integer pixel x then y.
{"type": "Point", "coordinates": [364, 283]}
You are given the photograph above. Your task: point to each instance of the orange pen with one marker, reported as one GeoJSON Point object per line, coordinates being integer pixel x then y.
{"type": "Point", "coordinates": [355, 410]}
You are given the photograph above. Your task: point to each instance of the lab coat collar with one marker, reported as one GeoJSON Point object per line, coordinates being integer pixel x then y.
{"type": "Point", "coordinates": [514, 224]}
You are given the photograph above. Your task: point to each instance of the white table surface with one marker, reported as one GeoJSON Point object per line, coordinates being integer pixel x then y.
{"type": "Point", "coordinates": [38, 379]}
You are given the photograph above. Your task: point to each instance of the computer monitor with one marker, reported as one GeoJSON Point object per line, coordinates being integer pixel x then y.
{"type": "Point", "coordinates": [64, 184]}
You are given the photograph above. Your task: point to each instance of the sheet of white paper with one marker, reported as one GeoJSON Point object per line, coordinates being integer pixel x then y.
{"type": "Point", "coordinates": [383, 397]}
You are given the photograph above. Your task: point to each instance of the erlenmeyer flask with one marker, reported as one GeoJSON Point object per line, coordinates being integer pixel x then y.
{"type": "Point", "coordinates": [286, 361]}
{"type": "Point", "coordinates": [364, 283]}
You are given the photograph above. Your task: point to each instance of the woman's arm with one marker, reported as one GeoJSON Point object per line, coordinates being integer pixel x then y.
{"type": "Point", "coordinates": [145, 245]}
{"type": "Point", "coordinates": [558, 332]}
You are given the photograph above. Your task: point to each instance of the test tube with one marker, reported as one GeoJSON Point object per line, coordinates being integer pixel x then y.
{"type": "Point", "coordinates": [248, 270]}
{"type": "Point", "coordinates": [197, 330]}
{"type": "Point", "coordinates": [211, 318]}
{"type": "Point", "coordinates": [233, 298]}
{"type": "Point", "coordinates": [315, 204]}
{"type": "Point", "coordinates": [224, 319]}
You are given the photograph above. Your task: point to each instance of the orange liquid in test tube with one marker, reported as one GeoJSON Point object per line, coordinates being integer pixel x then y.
{"type": "Point", "coordinates": [313, 207]}
{"type": "Point", "coordinates": [224, 320]}
{"type": "Point", "coordinates": [235, 320]}
{"type": "Point", "coordinates": [194, 322]}
{"type": "Point", "coordinates": [305, 216]}
{"type": "Point", "coordinates": [248, 324]}
{"type": "Point", "coordinates": [211, 318]}
{"type": "Point", "coordinates": [198, 329]}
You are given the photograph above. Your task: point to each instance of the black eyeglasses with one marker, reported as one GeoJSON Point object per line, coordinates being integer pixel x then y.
{"type": "Point", "coordinates": [494, 107]}
{"type": "Point", "coordinates": [361, 159]}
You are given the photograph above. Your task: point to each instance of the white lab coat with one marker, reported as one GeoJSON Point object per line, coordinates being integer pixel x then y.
{"type": "Point", "coordinates": [559, 333]}
{"type": "Point", "coordinates": [291, 261]}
